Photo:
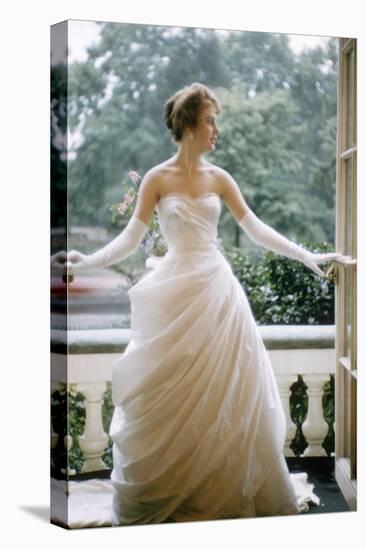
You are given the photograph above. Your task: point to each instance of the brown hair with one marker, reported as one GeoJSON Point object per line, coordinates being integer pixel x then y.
{"type": "Point", "coordinates": [182, 109]}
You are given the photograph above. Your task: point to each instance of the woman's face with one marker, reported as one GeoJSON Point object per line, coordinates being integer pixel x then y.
{"type": "Point", "coordinates": [206, 131]}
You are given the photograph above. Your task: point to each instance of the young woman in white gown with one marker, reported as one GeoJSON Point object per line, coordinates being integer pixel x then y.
{"type": "Point", "coordinates": [198, 427]}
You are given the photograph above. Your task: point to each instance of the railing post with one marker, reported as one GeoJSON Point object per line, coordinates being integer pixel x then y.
{"type": "Point", "coordinates": [284, 383]}
{"type": "Point", "coordinates": [315, 427]}
{"type": "Point", "coordinates": [94, 440]}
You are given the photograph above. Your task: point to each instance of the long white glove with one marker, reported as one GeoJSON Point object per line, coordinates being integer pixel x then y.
{"type": "Point", "coordinates": [265, 236]}
{"type": "Point", "coordinates": [120, 248]}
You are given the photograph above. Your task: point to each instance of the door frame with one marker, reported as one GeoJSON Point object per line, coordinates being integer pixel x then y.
{"type": "Point", "coordinates": [346, 275]}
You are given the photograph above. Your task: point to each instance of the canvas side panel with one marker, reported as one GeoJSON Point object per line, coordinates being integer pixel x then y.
{"type": "Point", "coordinates": [58, 291]}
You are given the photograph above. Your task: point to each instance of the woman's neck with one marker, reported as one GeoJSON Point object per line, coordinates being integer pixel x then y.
{"type": "Point", "coordinates": [188, 158]}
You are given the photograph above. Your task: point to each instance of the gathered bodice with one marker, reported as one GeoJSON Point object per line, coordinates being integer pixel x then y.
{"type": "Point", "coordinates": [189, 223]}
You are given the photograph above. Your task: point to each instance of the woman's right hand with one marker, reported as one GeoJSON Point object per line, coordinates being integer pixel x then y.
{"type": "Point", "coordinates": [77, 260]}
{"type": "Point", "coordinates": [311, 260]}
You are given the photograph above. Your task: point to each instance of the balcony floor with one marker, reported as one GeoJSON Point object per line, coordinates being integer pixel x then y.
{"type": "Point", "coordinates": [321, 473]}
{"type": "Point", "coordinates": [97, 484]}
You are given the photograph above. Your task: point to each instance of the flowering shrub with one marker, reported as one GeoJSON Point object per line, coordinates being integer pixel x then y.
{"type": "Point", "coordinates": [153, 243]}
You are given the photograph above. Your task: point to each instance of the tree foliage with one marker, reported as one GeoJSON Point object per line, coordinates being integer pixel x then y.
{"type": "Point", "coordinates": [277, 126]}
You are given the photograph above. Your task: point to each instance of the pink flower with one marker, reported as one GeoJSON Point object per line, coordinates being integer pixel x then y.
{"type": "Point", "coordinates": [124, 204]}
{"type": "Point", "coordinates": [135, 176]}
{"type": "Point", "coordinates": [122, 208]}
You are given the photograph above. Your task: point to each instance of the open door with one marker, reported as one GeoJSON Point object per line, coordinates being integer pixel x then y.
{"type": "Point", "coordinates": [346, 276]}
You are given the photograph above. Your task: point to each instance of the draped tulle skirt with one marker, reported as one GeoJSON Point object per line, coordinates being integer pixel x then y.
{"type": "Point", "coordinates": [198, 428]}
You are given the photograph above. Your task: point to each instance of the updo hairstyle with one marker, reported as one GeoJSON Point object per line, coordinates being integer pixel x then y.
{"type": "Point", "coordinates": [182, 109]}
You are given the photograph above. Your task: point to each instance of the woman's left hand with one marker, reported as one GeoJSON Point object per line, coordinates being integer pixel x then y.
{"type": "Point", "coordinates": [312, 260]}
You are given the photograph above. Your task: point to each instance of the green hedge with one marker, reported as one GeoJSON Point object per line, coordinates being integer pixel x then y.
{"type": "Point", "coordinates": [284, 291]}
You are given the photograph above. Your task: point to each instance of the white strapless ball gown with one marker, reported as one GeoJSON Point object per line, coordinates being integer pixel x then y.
{"type": "Point", "coordinates": [198, 426]}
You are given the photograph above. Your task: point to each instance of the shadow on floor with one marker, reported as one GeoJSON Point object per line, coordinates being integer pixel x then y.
{"type": "Point", "coordinates": [40, 512]}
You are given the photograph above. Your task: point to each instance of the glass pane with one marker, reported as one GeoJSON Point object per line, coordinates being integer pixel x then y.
{"type": "Point", "coordinates": [354, 439]}
{"type": "Point", "coordinates": [347, 312]}
{"type": "Point", "coordinates": [348, 209]}
{"type": "Point", "coordinates": [354, 319]}
{"type": "Point", "coordinates": [347, 414]}
{"type": "Point", "coordinates": [350, 77]}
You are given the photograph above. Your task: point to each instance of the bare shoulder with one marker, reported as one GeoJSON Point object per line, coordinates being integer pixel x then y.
{"type": "Point", "coordinates": [159, 178]}
{"type": "Point", "coordinates": [230, 192]}
{"type": "Point", "coordinates": [150, 183]}
{"type": "Point", "coordinates": [148, 194]}
{"type": "Point", "coordinates": [225, 181]}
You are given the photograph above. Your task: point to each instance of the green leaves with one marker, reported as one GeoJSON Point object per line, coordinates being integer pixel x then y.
{"type": "Point", "coordinates": [284, 291]}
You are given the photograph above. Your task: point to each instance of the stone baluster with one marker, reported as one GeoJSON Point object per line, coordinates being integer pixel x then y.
{"type": "Point", "coordinates": [94, 440]}
{"type": "Point", "coordinates": [284, 383]}
{"type": "Point", "coordinates": [315, 427]}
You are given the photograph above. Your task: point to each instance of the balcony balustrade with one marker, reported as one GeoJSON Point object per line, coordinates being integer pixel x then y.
{"type": "Point", "coordinates": [297, 353]}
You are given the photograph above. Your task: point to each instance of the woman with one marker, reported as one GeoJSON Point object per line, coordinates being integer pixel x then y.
{"type": "Point", "coordinates": [198, 426]}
